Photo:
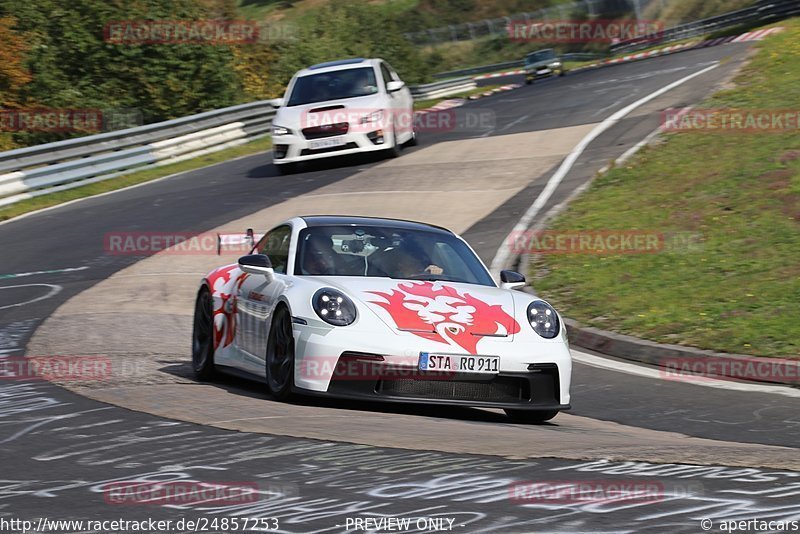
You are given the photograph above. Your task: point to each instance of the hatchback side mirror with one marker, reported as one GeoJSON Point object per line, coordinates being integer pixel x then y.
{"type": "Point", "coordinates": [511, 280]}
{"type": "Point", "coordinates": [395, 85]}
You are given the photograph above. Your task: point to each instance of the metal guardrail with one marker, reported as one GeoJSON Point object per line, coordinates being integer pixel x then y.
{"type": "Point", "coordinates": [443, 88]}
{"type": "Point", "coordinates": [763, 12]}
{"type": "Point", "coordinates": [33, 171]}
{"type": "Point", "coordinates": [519, 63]}
{"type": "Point", "coordinates": [47, 168]}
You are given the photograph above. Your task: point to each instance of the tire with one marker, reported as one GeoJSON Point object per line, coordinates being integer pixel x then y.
{"type": "Point", "coordinates": [528, 81]}
{"type": "Point", "coordinates": [286, 169]}
{"type": "Point", "coordinates": [394, 150]}
{"type": "Point", "coordinates": [531, 417]}
{"type": "Point", "coordinates": [203, 336]}
{"type": "Point", "coordinates": [280, 356]}
{"type": "Point", "coordinates": [413, 141]}
{"type": "Point", "coordinates": [561, 73]}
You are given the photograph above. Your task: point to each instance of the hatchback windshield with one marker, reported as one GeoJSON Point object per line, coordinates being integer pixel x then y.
{"type": "Point", "coordinates": [334, 85]}
{"type": "Point", "coordinates": [541, 55]}
{"type": "Point", "coordinates": [376, 251]}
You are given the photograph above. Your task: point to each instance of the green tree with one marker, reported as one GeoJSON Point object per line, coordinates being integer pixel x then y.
{"type": "Point", "coordinates": [73, 66]}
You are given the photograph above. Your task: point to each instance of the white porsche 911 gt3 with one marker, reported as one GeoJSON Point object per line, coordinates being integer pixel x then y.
{"type": "Point", "coordinates": [381, 310]}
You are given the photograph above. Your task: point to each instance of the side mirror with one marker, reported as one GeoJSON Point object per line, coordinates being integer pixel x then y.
{"type": "Point", "coordinates": [276, 102]}
{"type": "Point", "coordinates": [511, 280]}
{"type": "Point", "coordinates": [395, 85]}
{"type": "Point", "coordinates": [257, 264]}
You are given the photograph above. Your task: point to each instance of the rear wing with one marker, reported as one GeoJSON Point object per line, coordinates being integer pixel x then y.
{"type": "Point", "coordinates": [241, 243]}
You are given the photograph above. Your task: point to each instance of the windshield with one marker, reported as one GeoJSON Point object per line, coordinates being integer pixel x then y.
{"type": "Point", "coordinates": [375, 251]}
{"type": "Point", "coordinates": [541, 55]}
{"type": "Point", "coordinates": [334, 85]}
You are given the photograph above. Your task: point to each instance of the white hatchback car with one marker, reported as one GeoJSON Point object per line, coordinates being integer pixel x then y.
{"type": "Point", "coordinates": [339, 108]}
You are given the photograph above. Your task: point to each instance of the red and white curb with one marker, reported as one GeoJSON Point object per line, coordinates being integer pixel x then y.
{"type": "Point", "coordinates": [458, 102]}
{"type": "Point", "coordinates": [500, 89]}
{"type": "Point", "coordinates": [756, 35]}
{"type": "Point", "coordinates": [499, 74]}
{"type": "Point", "coordinates": [443, 105]}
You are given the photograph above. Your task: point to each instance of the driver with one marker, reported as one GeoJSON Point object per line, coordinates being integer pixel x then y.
{"type": "Point", "coordinates": [408, 264]}
{"type": "Point", "coordinates": [319, 256]}
{"type": "Point", "coordinates": [361, 83]}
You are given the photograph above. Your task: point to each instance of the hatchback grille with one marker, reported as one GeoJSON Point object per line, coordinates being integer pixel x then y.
{"type": "Point", "coordinates": [308, 151]}
{"type": "Point", "coordinates": [326, 130]}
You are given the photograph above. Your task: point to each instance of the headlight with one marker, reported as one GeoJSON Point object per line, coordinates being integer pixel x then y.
{"type": "Point", "coordinates": [334, 307]}
{"type": "Point", "coordinates": [543, 319]}
{"type": "Point", "coordinates": [280, 130]}
{"type": "Point", "coordinates": [375, 116]}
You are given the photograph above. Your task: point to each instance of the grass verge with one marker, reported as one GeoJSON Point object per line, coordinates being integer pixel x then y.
{"type": "Point", "coordinates": [737, 289]}
{"type": "Point", "coordinates": [52, 199]}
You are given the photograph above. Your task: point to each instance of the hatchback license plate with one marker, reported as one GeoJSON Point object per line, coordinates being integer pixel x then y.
{"type": "Point", "coordinates": [326, 143]}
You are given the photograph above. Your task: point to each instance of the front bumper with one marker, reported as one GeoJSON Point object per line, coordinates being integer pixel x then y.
{"type": "Point", "coordinates": [535, 390]}
{"type": "Point", "coordinates": [533, 374]}
{"type": "Point", "coordinates": [294, 148]}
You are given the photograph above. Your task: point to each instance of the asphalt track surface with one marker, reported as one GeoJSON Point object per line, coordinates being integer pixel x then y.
{"type": "Point", "coordinates": [59, 446]}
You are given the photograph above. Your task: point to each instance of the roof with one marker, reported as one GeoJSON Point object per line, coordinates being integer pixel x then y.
{"type": "Point", "coordinates": [341, 64]}
{"type": "Point", "coordinates": [337, 63]}
{"type": "Point", "coordinates": [348, 220]}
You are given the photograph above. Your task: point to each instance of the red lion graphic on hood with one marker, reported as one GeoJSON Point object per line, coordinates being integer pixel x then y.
{"type": "Point", "coordinates": [440, 313]}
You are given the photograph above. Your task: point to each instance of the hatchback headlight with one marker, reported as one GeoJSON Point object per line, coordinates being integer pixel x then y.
{"type": "Point", "coordinates": [334, 307]}
{"type": "Point", "coordinates": [543, 319]}
{"type": "Point", "coordinates": [375, 116]}
{"type": "Point", "coordinates": [280, 130]}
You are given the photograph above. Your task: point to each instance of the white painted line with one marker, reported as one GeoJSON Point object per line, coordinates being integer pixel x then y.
{"type": "Point", "coordinates": [34, 273]}
{"type": "Point", "coordinates": [514, 123]}
{"type": "Point", "coordinates": [54, 290]}
{"type": "Point", "coordinates": [649, 372]}
{"type": "Point", "coordinates": [504, 252]}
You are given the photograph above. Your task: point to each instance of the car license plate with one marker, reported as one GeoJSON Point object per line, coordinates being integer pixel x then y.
{"type": "Point", "coordinates": [458, 363]}
{"type": "Point", "coordinates": [326, 143]}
